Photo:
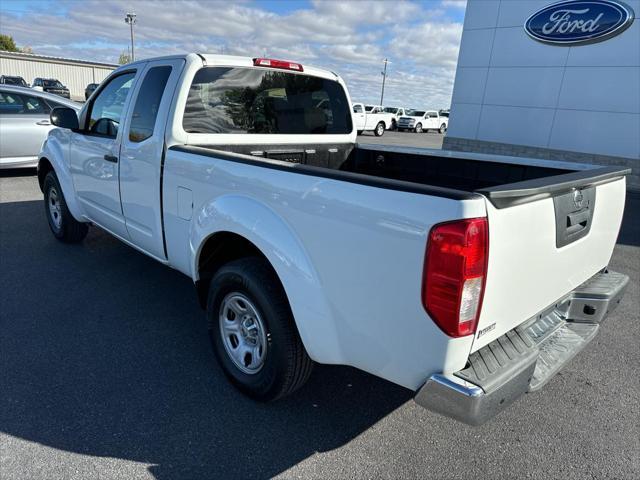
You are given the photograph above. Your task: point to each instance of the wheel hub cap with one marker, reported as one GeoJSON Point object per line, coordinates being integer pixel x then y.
{"type": "Point", "coordinates": [55, 210]}
{"type": "Point", "coordinates": [243, 333]}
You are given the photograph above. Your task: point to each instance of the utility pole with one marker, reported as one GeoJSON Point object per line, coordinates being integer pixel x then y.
{"type": "Point", "coordinates": [384, 77]}
{"type": "Point", "coordinates": [130, 18]}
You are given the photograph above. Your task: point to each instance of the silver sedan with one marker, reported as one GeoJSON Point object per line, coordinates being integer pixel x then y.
{"type": "Point", "coordinates": [24, 124]}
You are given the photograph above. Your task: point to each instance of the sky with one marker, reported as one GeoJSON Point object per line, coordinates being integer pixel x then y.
{"type": "Point", "coordinates": [420, 38]}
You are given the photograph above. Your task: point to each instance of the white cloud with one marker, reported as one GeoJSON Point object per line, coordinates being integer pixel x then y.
{"type": "Point", "coordinates": [350, 38]}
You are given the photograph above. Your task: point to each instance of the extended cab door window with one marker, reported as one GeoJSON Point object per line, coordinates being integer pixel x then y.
{"type": "Point", "coordinates": [145, 111]}
{"type": "Point", "coordinates": [105, 112]}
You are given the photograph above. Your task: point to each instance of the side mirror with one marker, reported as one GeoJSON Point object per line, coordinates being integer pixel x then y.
{"type": "Point", "coordinates": [65, 117]}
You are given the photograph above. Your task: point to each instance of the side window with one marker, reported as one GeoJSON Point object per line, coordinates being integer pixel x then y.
{"type": "Point", "coordinates": [145, 111]}
{"type": "Point", "coordinates": [432, 115]}
{"type": "Point", "coordinates": [10, 103]}
{"type": "Point", "coordinates": [105, 112]}
{"type": "Point", "coordinates": [35, 105]}
{"type": "Point", "coordinates": [24, 104]}
{"type": "Point", "coordinates": [357, 109]}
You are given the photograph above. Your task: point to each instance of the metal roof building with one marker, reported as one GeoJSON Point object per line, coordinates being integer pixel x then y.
{"type": "Point", "coordinates": [74, 74]}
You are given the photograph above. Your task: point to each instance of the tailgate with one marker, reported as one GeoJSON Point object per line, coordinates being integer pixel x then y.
{"type": "Point", "coordinates": [543, 247]}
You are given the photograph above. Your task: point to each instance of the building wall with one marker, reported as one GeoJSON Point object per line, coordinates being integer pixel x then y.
{"type": "Point", "coordinates": [513, 92]}
{"type": "Point", "coordinates": [74, 75]}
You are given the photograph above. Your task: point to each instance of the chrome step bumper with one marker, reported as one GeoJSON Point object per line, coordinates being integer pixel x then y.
{"type": "Point", "coordinates": [526, 358]}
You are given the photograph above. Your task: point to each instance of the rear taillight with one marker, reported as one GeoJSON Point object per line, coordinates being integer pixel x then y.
{"type": "Point", "coordinates": [271, 63]}
{"type": "Point", "coordinates": [454, 274]}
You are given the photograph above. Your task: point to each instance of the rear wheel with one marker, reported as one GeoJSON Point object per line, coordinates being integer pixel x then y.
{"type": "Point", "coordinates": [253, 332]}
{"type": "Point", "coordinates": [443, 128]}
{"type": "Point", "coordinates": [418, 128]}
{"type": "Point", "coordinates": [63, 226]}
{"type": "Point", "coordinates": [379, 131]}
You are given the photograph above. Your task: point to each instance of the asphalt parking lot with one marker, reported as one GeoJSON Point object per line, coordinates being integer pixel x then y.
{"type": "Point", "coordinates": [405, 139]}
{"type": "Point", "coordinates": [106, 372]}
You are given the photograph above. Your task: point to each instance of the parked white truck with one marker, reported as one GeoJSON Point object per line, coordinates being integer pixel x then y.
{"type": "Point", "coordinates": [369, 119]}
{"type": "Point", "coordinates": [422, 121]}
{"type": "Point", "coordinates": [469, 279]}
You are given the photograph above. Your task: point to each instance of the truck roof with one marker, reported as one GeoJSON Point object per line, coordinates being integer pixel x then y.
{"type": "Point", "coordinates": [211, 59]}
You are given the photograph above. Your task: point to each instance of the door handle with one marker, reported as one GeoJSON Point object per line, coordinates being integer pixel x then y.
{"type": "Point", "coordinates": [111, 158]}
{"type": "Point", "coordinates": [43, 122]}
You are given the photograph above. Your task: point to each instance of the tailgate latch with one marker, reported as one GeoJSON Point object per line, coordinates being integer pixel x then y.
{"type": "Point", "coordinates": [574, 213]}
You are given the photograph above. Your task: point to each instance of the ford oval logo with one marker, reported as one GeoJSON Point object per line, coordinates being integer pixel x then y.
{"type": "Point", "coordinates": [578, 22]}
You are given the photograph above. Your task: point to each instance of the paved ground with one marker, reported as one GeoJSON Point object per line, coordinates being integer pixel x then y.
{"type": "Point", "coordinates": [406, 139]}
{"type": "Point", "coordinates": [106, 372]}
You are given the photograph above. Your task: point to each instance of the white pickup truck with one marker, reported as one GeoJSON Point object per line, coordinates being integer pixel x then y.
{"type": "Point", "coordinates": [370, 119]}
{"type": "Point", "coordinates": [470, 279]}
{"type": "Point", "coordinates": [422, 121]}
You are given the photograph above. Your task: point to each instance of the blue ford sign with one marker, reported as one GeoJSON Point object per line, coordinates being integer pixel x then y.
{"type": "Point", "coordinates": [577, 22]}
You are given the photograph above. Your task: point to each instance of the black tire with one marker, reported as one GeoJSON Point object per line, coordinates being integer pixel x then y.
{"type": "Point", "coordinates": [379, 130]}
{"type": "Point", "coordinates": [443, 129]}
{"type": "Point", "coordinates": [286, 366]}
{"type": "Point", "coordinates": [394, 125]}
{"type": "Point", "coordinates": [418, 128]}
{"type": "Point", "coordinates": [62, 224]}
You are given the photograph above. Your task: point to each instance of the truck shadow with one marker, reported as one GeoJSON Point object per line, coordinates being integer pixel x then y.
{"type": "Point", "coordinates": [105, 353]}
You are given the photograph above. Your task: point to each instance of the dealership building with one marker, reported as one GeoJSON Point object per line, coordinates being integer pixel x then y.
{"type": "Point", "coordinates": [561, 82]}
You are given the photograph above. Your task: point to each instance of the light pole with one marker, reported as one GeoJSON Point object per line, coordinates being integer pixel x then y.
{"type": "Point", "coordinates": [130, 18]}
{"type": "Point", "coordinates": [384, 77]}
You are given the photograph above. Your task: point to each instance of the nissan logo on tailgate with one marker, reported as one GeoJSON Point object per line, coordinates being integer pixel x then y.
{"type": "Point", "coordinates": [579, 22]}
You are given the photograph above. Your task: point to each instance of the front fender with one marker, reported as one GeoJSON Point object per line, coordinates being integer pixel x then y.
{"type": "Point", "coordinates": [56, 150]}
{"type": "Point", "coordinates": [263, 227]}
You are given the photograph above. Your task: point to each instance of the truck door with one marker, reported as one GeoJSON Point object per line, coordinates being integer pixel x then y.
{"type": "Point", "coordinates": [359, 116]}
{"type": "Point", "coordinates": [432, 121]}
{"type": "Point", "coordinates": [94, 153]}
{"type": "Point", "coordinates": [142, 154]}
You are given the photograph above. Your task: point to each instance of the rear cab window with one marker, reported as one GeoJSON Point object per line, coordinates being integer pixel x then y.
{"type": "Point", "coordinates": [257, 101]}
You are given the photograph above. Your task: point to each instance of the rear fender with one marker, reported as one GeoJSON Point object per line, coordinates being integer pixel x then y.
{"type": "Point", "coordinates": [263, 227]}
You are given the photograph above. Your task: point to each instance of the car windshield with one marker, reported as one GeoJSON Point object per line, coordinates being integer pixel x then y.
{"type": "Point", "coordinates": [15, 81]}
{"type": "Point", "coordinates": [390, 110]}
{"type": "Point", "coordinates": [415, 113]}
{"type": "Point", "coordinates": [52, 83]}
{"type": "Point", "coordinates": [251, 100]}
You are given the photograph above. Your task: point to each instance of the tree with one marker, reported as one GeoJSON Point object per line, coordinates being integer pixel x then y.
{"type": "Point", "coordinates": [7, 43]}
{"type": "Point", "coordinates": [124, 58]}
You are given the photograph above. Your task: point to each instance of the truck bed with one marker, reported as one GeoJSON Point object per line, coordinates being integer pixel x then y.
{"type": "Point", "coordinates": [504, 180]}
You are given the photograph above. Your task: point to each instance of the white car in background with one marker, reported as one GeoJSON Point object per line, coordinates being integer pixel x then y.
{"type": "Point", "coordinates": [370, 118]}
{"type": "Point", "coordinates": [394, 114]}
{"type": "Point", "coordinates": [389, 115]}
{"type": "Point", "coordinates": [423, 120]}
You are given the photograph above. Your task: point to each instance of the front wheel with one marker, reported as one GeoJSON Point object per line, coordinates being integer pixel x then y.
{"type": "Point", "coordinates": [253, 331]}
{"type": "Point", "coordinates": [379, 131]}
{"type": "Point", "coordinates": [63, 226]}
{"type": "Point", "coordinates": [443, 128]}
{"type": "Point", "coordinates": [418, 128]}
